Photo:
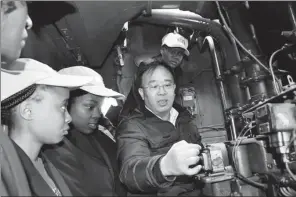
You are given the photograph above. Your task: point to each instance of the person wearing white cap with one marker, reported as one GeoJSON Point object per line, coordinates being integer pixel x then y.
{"type": "Point", "coordinates": [34, 107]}
{"type": "Point", "coordinates": [87, 157]}
{"type": "Point", "coordinates": [173, 49]}
{"type": "Point", "coordinates": [15, 22]}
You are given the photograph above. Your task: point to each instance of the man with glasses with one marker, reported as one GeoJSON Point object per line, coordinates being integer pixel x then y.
{"type": "Point", "coordinates": [172, 52]}
{"type": "Point", "coordinates": [158, 143]}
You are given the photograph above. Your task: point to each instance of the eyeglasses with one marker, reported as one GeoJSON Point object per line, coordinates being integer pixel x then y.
{"type": "Point", "coordinates": [176, 51]}
{"type": "Point", "coordinates": [167, 87]}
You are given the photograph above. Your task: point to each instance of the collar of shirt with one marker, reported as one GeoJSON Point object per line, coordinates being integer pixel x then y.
{"type": "Point", "coordinates": [173, 115]}
{"type": "Point", "coordinates": [106, 132]}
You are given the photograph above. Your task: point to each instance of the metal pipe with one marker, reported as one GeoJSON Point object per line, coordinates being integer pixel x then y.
{"type": "Point", "coordinates": [233, 128]}
{"type": "Point", "coordinates": [210, 41]}
{"type": "Point", "coordinates": [246, 38]}
{"type": "Point", "coordinates": [292, 15]}
{"type": "Point", "coordinates": [119, 55]}
{"type": "Point", "coordinates": [173, 17]}
{"type": "Point", "coordinates": [211, 44]}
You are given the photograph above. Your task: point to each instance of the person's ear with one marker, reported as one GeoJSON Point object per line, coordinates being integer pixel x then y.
{"type": "Point", "coordinates": [25, 110]}
{"type": "Point", "coordinates": [141, 92]}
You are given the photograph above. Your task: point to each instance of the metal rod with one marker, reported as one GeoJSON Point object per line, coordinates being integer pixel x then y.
{"type": "Point", "coordinates": [210, 41]}
{"type": "Point", "coordinates": [233, 129]}
{"type": "Point", "coordinates": [292, 15]}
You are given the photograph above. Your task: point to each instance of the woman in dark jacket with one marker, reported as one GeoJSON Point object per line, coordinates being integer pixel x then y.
{"type": "Point", "coordinates": [34, 110]}
{"type": "Point", "coordinates": [87, 157]}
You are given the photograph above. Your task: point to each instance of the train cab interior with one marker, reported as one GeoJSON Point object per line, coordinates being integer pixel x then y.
{"type": "Point", "coordinates": [241, 63]}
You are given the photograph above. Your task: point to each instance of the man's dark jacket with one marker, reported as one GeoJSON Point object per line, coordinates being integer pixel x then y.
{"type": "Point", "coordinates": [142, 140]}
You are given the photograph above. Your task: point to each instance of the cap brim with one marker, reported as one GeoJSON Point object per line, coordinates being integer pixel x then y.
{"type": "Point", "coordinates": [15, 81]}
{"type": "Point", "coordinates": [186, 52]}
{"type": "Point", "coordinates": [11, 71]}
{"type": "Point", "coordinates": [102, 91]}
{"type": "Point", "coordinates": [68, 81]}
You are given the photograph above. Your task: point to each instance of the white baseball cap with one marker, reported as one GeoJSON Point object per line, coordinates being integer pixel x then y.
{"type": "Point", "coordinates": [25, 72]}
{"type": "Point", "coordinates": [97, 86]}
{"type": "Point", "coordinates": [175, 40]}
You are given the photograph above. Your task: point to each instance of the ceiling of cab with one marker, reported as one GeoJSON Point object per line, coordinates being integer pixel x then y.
{"type": "Point", "coordinates": [95, 25]}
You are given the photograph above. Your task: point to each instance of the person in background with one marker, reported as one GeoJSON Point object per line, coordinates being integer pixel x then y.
{"type": "Point", "coordinates": [87, 157]}
{"type": "Point", "coordinates": [172, 51]}
{"type": "Point", "coordinates": [34, 109]}
{"type": "Point", "coordinates": [158, 143]}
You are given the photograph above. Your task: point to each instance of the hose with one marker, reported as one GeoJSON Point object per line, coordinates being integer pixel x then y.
{"type": "Point", "coordinates": [251, 182]}
{"type": "Point", "coordinates": [271, 69]}
{"type": "Point", "coordinates": [287, 191]}
{"type": "Point", "coordinates": [287, 163]}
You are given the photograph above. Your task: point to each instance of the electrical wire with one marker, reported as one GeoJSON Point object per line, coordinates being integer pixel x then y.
{"type": "Point", "coordinates": [239, 140]}
{"type": "Point", "coordinates": [271, 69]}
{"type": "Point", "coordinates": [236, 145]}
{"type": "Point", "coordinates": [287, 163]}
{"type": "Point", "coordinates": [290, 172]}
{"type": "Point", "coordinates": [291, 191]}
{"type": "Point", "coordinates": [286, 191]}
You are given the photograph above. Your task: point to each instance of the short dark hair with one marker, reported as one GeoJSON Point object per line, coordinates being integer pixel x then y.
{"type": "Point", "coordinates": [135, 98]}
{"type": "Point", "coordinates": [8, 105]}
{"type": "Point", "coordinates": [143, 68]}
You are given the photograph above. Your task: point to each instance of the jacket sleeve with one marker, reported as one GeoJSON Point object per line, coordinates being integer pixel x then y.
{"type": "Point", "coordinates": [137, 166]}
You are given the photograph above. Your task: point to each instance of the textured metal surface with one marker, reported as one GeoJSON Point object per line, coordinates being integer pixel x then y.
{"type": "Point", "coordinates": [242, 161]}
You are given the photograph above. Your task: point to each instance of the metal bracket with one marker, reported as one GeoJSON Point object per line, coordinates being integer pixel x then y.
{"type": "Point", "coordinates": [148, 11]}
